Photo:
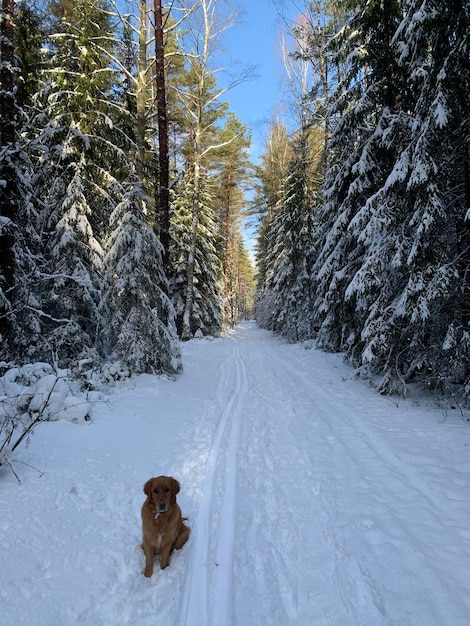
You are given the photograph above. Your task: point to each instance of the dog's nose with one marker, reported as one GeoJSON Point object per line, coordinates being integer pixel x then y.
{"type": "Point", "coordinates": [162, 506]}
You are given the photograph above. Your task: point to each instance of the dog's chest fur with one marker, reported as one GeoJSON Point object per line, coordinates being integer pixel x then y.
{"type": "Point", "coordinates": [159, 527]}
{"type": "Point", "coordinates": [158, 532]}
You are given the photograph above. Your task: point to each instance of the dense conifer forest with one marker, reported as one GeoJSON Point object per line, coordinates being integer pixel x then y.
{"type": "Point", "coordinates": [124, 175]}
{"type": "Point", "coordinates": [120, 234]}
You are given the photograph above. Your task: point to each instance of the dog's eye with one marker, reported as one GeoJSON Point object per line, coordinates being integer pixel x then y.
{"type": "Point", "coordinates": [155, 491]}
{"type": "Point", "coordinates": [167, 490]}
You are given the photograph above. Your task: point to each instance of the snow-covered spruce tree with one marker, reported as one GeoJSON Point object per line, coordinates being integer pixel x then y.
{"type": "Point", "coordinates": [359, 162]}
{"type": "Point", "coordinates": [141, 333]}
{"type": "Point", "coordinates": [73, 323]}
{"type": "Point", "coordinates": [269, 190]}
{"type": "Point", "coordinates": [265, 300]}
{"type": "Point", "coordinates": [8, 175]}
{"type": "Point", "coordinates": [22, 317]}
{"type": "Point", "coordinates": [285, 301]}
{"type": "Point", "coordinates": [284, 294]}
{"type": "Point", "coordinates": [419, 328]}
{"type": "Point", "coordinates": [288, 281]}
{"type": "Point", "coordinates": [30, 34]}
{"type": "Point", "coordinates": [393, 265]}
{"type": "Point", "coordinates": [74, 179]}
{"type": "Point", "coordinates": [207, 283]}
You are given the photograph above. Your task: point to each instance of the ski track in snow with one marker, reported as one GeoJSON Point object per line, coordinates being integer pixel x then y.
{"type": "Point", "coordinates": [312, 501]}
{"type": "Point", "coordinates": [194, 605]}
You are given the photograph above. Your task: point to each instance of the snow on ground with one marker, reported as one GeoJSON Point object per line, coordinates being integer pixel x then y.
{"type": "Point", "coordinates": [312, 501]}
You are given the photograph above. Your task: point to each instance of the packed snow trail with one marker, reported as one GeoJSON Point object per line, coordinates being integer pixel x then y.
{"type": "Point", "coordinates": [312, 501]}
{"type": "Point", "coordinates": [194, 602]}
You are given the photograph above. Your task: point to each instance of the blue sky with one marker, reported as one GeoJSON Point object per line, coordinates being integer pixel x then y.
{"type": "Point", "coordinates": [254, 40]}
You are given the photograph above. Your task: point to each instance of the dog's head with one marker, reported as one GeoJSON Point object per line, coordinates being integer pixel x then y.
{"type": "Point", "coordinates": [161, 492]}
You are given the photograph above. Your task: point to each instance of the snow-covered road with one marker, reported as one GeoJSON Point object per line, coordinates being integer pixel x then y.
{"type": "Point", "coordinates": [312, 501]}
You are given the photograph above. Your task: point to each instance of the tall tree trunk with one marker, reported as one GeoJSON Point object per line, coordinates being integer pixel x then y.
{"type": "Point", "coordinates": [141, 88]}
{"type": "Point", "coordinates": [163, 152]}
{"type": "Point", "coordinates": [7, 142]}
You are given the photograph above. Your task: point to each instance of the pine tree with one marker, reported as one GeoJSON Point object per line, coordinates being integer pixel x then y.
{"type": "Point", "coordinates": [201, 100]}
{"type": "Point", "coordinates": [232, 172]}
{"type": "Point", "coordinates": [246, 283]}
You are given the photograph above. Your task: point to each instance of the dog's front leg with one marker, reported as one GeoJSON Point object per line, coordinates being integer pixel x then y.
{"type": "Point", "coordinates": [149, 554]}
{"type": "Point", "coordinates": [165, 556]}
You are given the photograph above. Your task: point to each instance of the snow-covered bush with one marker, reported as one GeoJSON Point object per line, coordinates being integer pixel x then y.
{"type": "Point", "coordinates": [33, 394]}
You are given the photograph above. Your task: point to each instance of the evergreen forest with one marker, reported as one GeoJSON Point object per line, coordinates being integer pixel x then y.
{"type": "Point", "coordinates": [125, 179]}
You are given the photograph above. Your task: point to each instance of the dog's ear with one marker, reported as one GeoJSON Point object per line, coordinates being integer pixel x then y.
{"type": "Point", "coordinates": [147, 487]}
{"type": "Point", "coordinates": [175, 486]}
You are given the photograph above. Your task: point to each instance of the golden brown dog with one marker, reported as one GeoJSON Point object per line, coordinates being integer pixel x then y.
{"type": "Point", "coordinates": [162, 524]}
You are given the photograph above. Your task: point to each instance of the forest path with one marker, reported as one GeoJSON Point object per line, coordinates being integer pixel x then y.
{"type": "Point", "coordinates": [312, 500]}
{"type": "Point", "coordinates": [298, 483]}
